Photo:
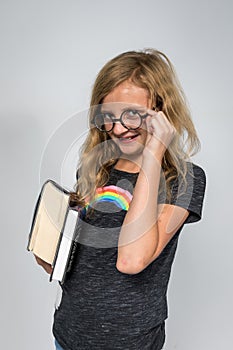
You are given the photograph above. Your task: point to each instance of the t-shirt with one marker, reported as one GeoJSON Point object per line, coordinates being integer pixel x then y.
{"type": "Point", "coordinates": [102, 308]}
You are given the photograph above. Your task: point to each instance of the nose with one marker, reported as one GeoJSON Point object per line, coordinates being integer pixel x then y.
{"type": "Point", "coordinates": [119, 128]}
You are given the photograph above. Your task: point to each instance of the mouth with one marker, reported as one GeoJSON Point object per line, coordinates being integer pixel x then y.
{"type": "Point", "coordinates": [127, 139]}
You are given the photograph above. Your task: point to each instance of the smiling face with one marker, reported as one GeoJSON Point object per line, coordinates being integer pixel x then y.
{"type": "Point", "coordinates": [127, 96]}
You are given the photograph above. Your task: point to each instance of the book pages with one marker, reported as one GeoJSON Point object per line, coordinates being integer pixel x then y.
{"type": "Point", "coordinates": [48, 222]}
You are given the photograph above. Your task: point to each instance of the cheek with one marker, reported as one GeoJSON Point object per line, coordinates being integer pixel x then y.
{"type": "Point", "coordinates": [144, 135]}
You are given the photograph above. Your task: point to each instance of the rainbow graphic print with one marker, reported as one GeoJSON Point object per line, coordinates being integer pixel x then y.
{"type": "Point", "coordinates": [117, 195]}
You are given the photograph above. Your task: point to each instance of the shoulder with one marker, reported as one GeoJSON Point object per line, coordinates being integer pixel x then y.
{"type": "Point", "coordinates": [196, 176]}
{"type": "Point", "coordinates": [198, 171]}
{"type": "Point", "coordinates": [193, 177]}
{"type": "Point", "coordinates": [194, 195]}
{"type": "Point", "coordinates": [189, 194]}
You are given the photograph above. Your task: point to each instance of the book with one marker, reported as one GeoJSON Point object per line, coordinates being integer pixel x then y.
{"type": "Point", "coordinates": [54, 229]}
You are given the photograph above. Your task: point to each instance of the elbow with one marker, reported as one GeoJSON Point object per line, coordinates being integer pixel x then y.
{"type": "Point", "coordinates": [130, 267]}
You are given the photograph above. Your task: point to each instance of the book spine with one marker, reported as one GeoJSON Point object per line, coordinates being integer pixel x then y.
{"type": "Point", "coordinates": [67, 246]}
{"type": "Point", "coordinates": [74, 247]}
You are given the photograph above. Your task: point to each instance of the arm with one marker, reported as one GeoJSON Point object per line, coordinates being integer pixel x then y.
{"type": "Point", "coordinates": [143, 236]}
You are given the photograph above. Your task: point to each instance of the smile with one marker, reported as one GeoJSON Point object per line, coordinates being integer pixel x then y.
{"type": "Point", "coordinates": [127, 139]}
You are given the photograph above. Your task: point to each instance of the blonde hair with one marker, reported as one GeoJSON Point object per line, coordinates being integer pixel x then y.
{"type": "Point", "coordinates": [153, 71]}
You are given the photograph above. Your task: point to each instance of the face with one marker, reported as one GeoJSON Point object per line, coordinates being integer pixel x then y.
{"type": "Point", "coordinates": [127, 95]}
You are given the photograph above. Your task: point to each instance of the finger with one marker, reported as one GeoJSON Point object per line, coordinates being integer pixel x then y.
{"type": "Point", "coordinates": [161, 116]}
{"type": "Point", "coordinates": [48, 269]}
{"type": "Point", "coordinates": [146, 123]}
{"type": "Point", "coordinates": [151, 124]}
{"type": "Point", "coordinates": [165, 123]}
{"type": "Point", "coordinates": [46, 266]}
{"type": "Point", "coordinates": [151, 112]}
{"type": "Point", "coordinates": [158, 116]}
{"type": "Point", "coordinates": [156, 123]}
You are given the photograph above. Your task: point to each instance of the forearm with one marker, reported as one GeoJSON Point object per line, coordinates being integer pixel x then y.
{"type": "Point", "coordinates": [138, 238]}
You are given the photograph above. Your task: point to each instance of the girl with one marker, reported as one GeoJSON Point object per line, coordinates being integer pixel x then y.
{"type": "Point", "coordinates": [139, 188]}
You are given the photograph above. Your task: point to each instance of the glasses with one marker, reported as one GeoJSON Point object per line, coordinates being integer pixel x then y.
{"type": "Point", "coordinates": [130, 119]}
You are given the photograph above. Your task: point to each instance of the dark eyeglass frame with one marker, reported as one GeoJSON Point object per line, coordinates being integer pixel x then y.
{"type": "Point", "coordinates": [114, 120]}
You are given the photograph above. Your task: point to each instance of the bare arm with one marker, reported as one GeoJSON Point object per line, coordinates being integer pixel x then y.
{"type": "Point", "coordinates": [147, 227]}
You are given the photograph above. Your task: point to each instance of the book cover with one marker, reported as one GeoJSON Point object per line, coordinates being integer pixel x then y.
{"type": "Point", "coordinates": [54, 229]}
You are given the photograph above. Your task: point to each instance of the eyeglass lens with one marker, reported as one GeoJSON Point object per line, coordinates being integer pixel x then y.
{"type": "Point", "coordinates": [130, 119]}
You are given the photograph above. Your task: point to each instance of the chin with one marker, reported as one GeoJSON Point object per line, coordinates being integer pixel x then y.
{"type": "Point", "coordinates": [131, 151]}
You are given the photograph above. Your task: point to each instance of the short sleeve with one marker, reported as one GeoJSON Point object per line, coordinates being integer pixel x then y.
{"type": "Point", "coordinates": [190, 196]}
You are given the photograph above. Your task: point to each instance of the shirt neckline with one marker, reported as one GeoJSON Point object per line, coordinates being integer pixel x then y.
{"type": "Point", "coordinates": [124, 172]}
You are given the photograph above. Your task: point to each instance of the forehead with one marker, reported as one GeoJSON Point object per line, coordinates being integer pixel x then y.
{"type": "Point", "coordinates": [119, 107]}
{"type": "Point", "coordinates": [128, 93]}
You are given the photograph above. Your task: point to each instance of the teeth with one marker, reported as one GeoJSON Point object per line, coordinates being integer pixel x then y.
{"type": "Point", "coordinates": [127, 138]}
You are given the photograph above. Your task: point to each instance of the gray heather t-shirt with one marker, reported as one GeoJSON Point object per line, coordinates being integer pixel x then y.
{"type": "Point", "coordinates": [102, 308]}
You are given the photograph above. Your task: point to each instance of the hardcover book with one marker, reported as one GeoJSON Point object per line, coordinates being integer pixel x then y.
{"type": "Point", "coordinates": [54, 229]}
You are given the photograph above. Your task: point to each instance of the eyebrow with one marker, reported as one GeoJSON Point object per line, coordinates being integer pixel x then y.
{"type": "Point", "coordinates": [137, 108]}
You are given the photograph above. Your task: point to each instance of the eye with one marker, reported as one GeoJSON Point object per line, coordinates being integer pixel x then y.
{"type": "Point", "coordinates": [131, 113]}
{"type": "Point", "coordinates": [107, 115]}
{"type": "Point", "coordinates": [104, 121]}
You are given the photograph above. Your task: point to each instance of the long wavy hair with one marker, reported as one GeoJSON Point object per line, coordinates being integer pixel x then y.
{"type": "Point", "coordinates": [152, 70]}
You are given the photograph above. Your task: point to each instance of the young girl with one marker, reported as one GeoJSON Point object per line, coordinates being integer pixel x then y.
{"type": "Point", "coordinates": [139, 188]}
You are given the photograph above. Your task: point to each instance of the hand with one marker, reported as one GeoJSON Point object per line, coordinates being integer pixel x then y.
{"type": "Point", "coordinates": [160, 133]}
{"type": "Point", "coordinates": [46, 266]}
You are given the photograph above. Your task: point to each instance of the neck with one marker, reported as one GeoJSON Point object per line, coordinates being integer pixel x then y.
{"type": "Point", "coordinates": [131, 165]}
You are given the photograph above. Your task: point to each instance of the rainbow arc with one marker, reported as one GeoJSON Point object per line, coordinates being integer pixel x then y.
{"type": "Point", "coordinates": [117, 195]}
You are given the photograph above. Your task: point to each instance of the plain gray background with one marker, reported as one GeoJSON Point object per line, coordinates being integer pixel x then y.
{"type": "Point", "coordinates": [51, 52]}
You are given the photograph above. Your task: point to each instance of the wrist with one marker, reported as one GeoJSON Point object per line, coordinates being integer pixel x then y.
{"type": "Point", "coordinates": [149, 156]}
{"type": "Point", "coordinates": [151, 165]}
